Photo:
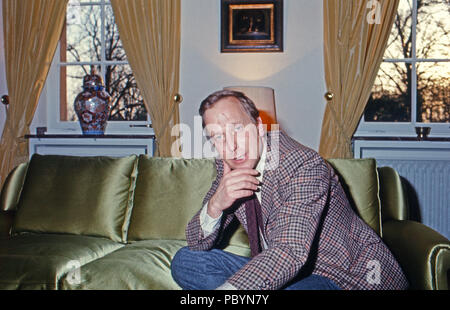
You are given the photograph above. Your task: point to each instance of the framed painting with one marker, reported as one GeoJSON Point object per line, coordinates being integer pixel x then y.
{"type": "Point", "coordinates": [251, 26]}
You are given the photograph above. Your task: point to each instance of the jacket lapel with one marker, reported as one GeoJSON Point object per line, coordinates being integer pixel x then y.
{"type": "Point", "coordinates": [270, 166]}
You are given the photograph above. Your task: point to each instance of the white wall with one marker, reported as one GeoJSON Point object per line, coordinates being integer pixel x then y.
{"type": "Point", "coordinates": [296, 74]}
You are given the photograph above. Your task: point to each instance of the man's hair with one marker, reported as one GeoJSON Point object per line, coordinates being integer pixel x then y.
{"type": "Point", "coordinates": [247, 103]}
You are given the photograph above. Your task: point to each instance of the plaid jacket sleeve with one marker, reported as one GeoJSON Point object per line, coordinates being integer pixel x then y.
{"type": "Point", "coordinates": [194, 233]}
{"type": "Point", "coordinates": [303, 193]}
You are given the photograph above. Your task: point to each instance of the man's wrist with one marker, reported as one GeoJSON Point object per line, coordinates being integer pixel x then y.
{"type": "Point", "coordinates": [207, 223]}
{"type": "Point", "coordinates": [212, 211]}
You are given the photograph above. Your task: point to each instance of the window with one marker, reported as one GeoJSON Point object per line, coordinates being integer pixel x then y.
{"type": "Point", "coordinates": [413, 84]}
{"type": "Point", "coordinates": [90, 40]}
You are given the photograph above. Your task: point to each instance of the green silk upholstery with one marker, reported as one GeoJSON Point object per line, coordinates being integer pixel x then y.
{"type": "Point", "coordinates": [392, 195]}
{"type": "Point", "coordinates": [359, 178]}
{"type": "Point", "coordinates": [39, 261]}
{"type": "Point", "coordinates": [239, 238]}
{"type": "Point", "coordinates": [123, 219]}
{"type": "Point", "coordinates": [168, 193]}
{"type": "Point", "coordinates": [126, 268]}
{"type": "Point", "coordinates": [423, 254]}
{"type": "Point", "coordinates": [9, 197]}
{"type": "Point", "coordinates": [140, 265]}
{"type": "Point", "coordinates": [6, 220]}
{"type": "Point", "coordinates": [77, 195]}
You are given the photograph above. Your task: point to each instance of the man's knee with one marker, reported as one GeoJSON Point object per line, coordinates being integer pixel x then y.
{"type": "Point", "coordinates": [190, 269]}
{"type": "Point", "coordinates": [177, 262]}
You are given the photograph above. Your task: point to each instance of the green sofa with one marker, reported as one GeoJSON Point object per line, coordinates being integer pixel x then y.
{"type": "Point", "coordinates": [71, 222]}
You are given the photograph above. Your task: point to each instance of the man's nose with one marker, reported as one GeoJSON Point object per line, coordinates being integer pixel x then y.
{"type": "Point", "coordinates": [231, 142]}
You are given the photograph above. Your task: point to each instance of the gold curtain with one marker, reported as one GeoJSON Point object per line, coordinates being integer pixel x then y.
{"type": "Point", "coordinates": [355, 37]}
{"type": "Point", "coordinates": [150, 32]}
{"type": "Point", "coordinates": [31, 33]}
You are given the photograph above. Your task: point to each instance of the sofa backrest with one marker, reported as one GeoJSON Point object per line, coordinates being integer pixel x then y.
{"type": "Point", "coordinates": [130, 198]}
{"type": "Point", "coordinates": [392, 195]}
{"type": "Point", "coordinates": [168, 193]}
{"type": "Point", "coordinates": [124, 199]}
{"type": "Point", "coordinates": [359, 178]}
{"type": "Point", "coordinates": [77, 195]}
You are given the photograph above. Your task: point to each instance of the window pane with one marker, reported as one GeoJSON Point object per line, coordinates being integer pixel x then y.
{"type": "Point", "coordinates": [433, 94]}
{"type": "Point", "coordinates": [81, 42]}
{"type": "Point", "coordinates": [433, 29]}
{"type": "Point", "coordinates": [83, 35]}
{"type": "Point", "coordinates": [71, 84]}
{"type": "Point", "coordinates": [399, 44]}
{"type": "Point", "coordinates": [390, 100]}
{"type": "Point", "coordinates": [113, 45]}
{"type": "Point", "coordinates": [126, 101]}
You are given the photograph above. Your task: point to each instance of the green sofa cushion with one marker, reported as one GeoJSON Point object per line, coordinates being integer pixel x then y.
{"type": "Point", "coordinates": [359, 179]}
{"type": "Point", "coordinates": [140, 265]}
{"type": "Point", "coordinates": [39, 261]}
{"type": "Point", "coordinates": [77, 195]}
{"type": "Point", "coordinates": [168, 193]}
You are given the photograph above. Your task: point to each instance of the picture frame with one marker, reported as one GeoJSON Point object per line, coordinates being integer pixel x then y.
{"type": "Point", "coordinates": [251, 26]}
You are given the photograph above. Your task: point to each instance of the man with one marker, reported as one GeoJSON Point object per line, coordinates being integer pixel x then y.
{"type": "Point", "coordinates": [302, 231]}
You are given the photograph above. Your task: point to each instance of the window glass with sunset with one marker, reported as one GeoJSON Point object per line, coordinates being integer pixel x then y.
{"type": "Point", "coordinates": [413, 83]}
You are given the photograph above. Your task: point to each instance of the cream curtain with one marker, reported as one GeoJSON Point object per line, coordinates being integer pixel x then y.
{"type": "Point", "coordinates": [355, 37]}
{"type": "Point", "coordinates": [150, 32]}
{"type": "Point", "coordinates": [31, 33]}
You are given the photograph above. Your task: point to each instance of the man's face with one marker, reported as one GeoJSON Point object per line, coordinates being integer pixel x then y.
{"type": "Point", "coordinates": [235, 136]}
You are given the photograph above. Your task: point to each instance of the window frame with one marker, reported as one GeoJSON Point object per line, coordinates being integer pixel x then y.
{"type": "Point", "coordinates": [52, 88]}
{"type": "Point", "coordinates": [406, 129]}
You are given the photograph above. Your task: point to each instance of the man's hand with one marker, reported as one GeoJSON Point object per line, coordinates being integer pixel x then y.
{"type": "Point", "coordinates": [235, 184]}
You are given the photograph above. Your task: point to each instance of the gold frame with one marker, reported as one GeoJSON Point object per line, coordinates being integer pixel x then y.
{"type": "Point", "coordinates": [268, 37]}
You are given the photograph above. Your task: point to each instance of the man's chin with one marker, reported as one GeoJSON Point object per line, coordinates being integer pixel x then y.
{"type": "Point", "coordinates": [244, 163]}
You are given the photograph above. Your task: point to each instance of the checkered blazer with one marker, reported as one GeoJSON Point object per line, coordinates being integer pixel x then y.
{"type": "Point", "coordinates": [309, 226]}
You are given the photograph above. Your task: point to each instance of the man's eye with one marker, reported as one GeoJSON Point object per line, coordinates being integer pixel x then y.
{"type": "Point", "coordinates": [218, 137]}
{"type": "Point", "coordinates": [238, 127]}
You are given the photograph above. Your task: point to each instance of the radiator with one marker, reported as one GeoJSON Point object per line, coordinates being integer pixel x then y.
{"type": "Point", "coordinates": [425, 169]}
{"type": "Point", "coordinates": [428, 187]}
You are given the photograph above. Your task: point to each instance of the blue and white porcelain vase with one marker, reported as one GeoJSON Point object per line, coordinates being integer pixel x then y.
{"type": "Point", "coordinates": [92, 105]}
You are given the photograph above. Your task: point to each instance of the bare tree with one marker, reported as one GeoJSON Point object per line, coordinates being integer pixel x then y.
{"type": "Point", "coordinates": [85, 42]}
{"type": "Point", "coordinates": [391, 96]}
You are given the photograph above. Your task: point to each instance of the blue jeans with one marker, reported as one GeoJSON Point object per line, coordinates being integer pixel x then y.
{"type": "Point", "coordinates": [207, 270]}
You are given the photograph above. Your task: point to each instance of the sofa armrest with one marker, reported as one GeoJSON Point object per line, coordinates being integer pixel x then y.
{"type": "Point", "coordinates": [423, 254]}
{"type": "Point", "coordinates": [6, 220]}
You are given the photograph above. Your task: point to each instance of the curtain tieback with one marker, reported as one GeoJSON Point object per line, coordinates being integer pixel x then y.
{"type": "Point", "coordinates": [329, 96]}
{"type": "Point", "coordinates": [177, 98]}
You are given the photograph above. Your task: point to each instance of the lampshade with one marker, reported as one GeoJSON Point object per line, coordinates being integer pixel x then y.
{"type": "Point", "coordinates": [264, 99]}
